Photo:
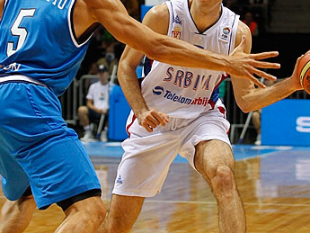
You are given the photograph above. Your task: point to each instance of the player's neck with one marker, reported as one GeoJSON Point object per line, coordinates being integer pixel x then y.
{"type": "Point", "coordinates": [204, 13]}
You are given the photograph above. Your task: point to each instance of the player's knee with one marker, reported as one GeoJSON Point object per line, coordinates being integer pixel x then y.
{"type": "Point", "coordinates": [87, 205]}
{"type": "Point", "coordinates": [117, 224]}
{"type": "Point", "coordinates": [223, 181]}
{"type": "Point", "coordinates": [97, 207]}
{"type": "Point", "coordinates": [90, 220]}
{"type": "Point", "coordinates": [91, 211]}
{"type": "Point", "coordinates": [96, 212]}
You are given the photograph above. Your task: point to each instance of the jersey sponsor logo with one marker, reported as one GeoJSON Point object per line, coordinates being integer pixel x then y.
{"type": "Point", "coordinates": [167, 94]}
{"type": "Point", "coordinates": [225, 34]}
{"type": "Point", "coordinates": [158, 90]}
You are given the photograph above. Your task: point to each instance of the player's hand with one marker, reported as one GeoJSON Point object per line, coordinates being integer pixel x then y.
{"type": "Point", "coordinates": [151, 119]}
{"type": "Point", "coordinates": [244, 65]}
{"type": "Point", "coordinates": [295, 76]}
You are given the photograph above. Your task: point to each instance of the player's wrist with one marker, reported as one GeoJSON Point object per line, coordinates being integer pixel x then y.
{"type": "Point", "coordinates": [227, 63]}
{"type": "Point", "coordinates": [140, 112]}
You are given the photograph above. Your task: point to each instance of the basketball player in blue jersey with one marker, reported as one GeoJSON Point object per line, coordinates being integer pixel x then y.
{"type": "Point", "coordinates": [177, 109]}
{"type": "Point", "coordinates": [42, 45]}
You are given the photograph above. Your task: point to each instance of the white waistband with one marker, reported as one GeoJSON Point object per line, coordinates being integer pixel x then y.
{"type": "Point", "coordinates": [20, 78]}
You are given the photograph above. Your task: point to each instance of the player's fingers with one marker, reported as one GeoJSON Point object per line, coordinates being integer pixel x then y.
{"type": "Point", "coordinates": [156, 118]}
{"type": "Point", "coordinates": [256, 81]}
{"type": "Point", "coordinates": [166, 118]}
{"type": "Point", "coordinates": [264, 55]}
{"type": "Point", "coordinates": [265, 75]}
{"type": "Point", "coordinates": [161, 117]}
{"type": "Point", "coordinates": [266, 65]}
{"type": "Point", "coordinates": [147, 127]}
{"type": "Point", "coordinates": [151, 121]}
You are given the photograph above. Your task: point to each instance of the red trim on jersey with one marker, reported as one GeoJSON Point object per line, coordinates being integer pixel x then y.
{"type": "Point", "coordinates": [211, 102]}
{"type": "Point", "coordinates": [228, 131]}
{"type": "Point", "coordinates": [221, 80]}
{"type": "Point", "coordinates": [222, 110]}
{"type": "Point", "coordinates": [129, 125]}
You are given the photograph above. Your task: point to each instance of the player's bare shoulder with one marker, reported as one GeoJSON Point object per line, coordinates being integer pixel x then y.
{"type": "Point", "coordinates": [160, 11]}
{"type": "Point", "coordinates": [157, 18]}
{"type": "Point", "coordinates": [243, 30]}
{"type": "Point", "coordinates": [83, 17]}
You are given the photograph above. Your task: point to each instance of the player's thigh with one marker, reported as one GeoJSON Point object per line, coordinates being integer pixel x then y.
{"type": "Point", "coordinates": [211, 155]}
{"type": "Point", "coordinates": [44, 147]}
{"type": "Point", "coordinates": [60, 169]}
{"type": "Point", "coordinates": [14, 179]}
{"type": "Point", "coordinates": [12, 121]}
{"type": "Point", "coordinates": [145, 164]}
{"type": "Point", "coordinates": [89, 207]}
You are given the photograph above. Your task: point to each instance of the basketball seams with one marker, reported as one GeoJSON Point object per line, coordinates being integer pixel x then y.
{"type": "Point", "coordinates": [303, 72]}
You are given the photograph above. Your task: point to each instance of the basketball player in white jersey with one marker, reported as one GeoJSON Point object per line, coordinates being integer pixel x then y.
{"type": "Point", "coordinates": [177, 109]}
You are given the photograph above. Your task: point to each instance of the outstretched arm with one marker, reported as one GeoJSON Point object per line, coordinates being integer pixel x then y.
{"type": "Point", "coordinates": [1, 8]}
{"type": "Point", "coordinates": [114, 17]}
{"type": "Point", "coordinates": [250, 98]}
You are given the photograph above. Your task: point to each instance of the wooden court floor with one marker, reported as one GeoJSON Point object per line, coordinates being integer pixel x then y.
{"type": "Point", "coordinates": [274, 186]}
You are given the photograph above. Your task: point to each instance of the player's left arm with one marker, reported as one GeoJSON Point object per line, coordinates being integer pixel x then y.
{"type": "Point", "coordinates": [250, 98]}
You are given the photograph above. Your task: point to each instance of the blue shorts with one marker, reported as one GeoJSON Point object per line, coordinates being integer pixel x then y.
{"type": "Point", "coordinates": [37, 149]}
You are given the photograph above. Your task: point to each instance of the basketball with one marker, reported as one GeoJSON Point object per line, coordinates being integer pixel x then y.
{"type": "Point", "coordinates": [304, 72]}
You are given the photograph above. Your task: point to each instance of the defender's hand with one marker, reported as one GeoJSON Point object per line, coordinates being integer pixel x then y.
{"type": "Point", "coordinates": [244, 65]}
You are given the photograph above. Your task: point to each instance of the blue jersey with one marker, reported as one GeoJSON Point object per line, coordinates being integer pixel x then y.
{"type": "Point", "coordinates": [49, 54]}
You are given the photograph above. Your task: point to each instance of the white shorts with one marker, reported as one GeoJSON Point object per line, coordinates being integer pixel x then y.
{"type": "Point", "coordinates": [148, 156]}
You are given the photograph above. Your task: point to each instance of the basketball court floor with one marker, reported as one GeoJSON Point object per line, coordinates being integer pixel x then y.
{"type": "Point", "coordinates": [274, 183]}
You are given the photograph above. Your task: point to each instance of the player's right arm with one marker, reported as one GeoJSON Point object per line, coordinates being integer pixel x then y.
{"type": "Point", "coordinates": [1, 8]}
{"type": "Point", "coordinates": [157, 19]}
{"type": "Point", "coordinates": [114, 17]}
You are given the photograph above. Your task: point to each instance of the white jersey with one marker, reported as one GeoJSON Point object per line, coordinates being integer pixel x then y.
{"type": "Point", "coordinates": [99, 94]}
{"type": "Point", "coordinates": [183, 92]}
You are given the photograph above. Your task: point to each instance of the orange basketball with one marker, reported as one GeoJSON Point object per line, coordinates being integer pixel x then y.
{"type": "Point", "coordinates": [304, 72]}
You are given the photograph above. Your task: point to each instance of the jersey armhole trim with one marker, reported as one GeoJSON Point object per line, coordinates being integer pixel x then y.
{"type": "Point", "coordinates": [71, 27]}
{"type": "Point", "coordinates": [233, 35]}
{"type": "Point", "coordinates": [171, 16]}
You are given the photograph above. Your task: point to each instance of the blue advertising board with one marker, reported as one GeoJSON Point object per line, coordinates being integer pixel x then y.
{"type": "Point", "coordinates": [144, 10]}
{"type": "Point", "coordinates": [118, 113]}
{"type": "Point", "coordinates": [287, 123]}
